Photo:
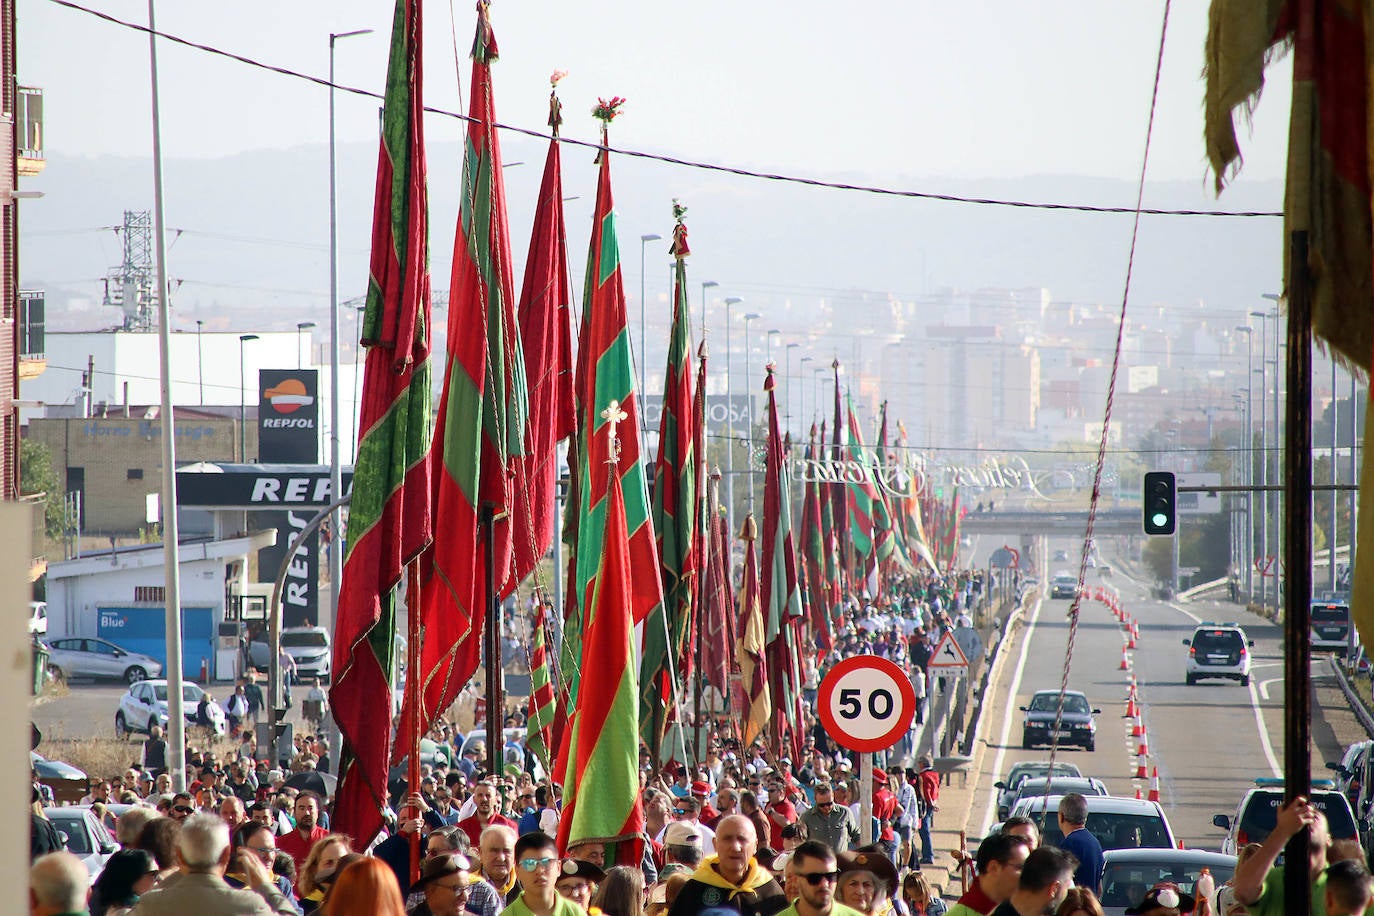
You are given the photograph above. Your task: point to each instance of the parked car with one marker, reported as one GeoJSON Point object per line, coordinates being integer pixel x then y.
{"type": "Point", "coordinates": [1254, 817]}
{"type": "Point", "coordinates": [38, 618]}
{"type": "Point", "coordinates": [309, 648]}
{"type": "Point", "coordinates": [1218, 650]}
{"type": "Point", "coordinates": [88, 656]}
{"type": "Point", "coordinates": [86, 837]}
{"type": "Point", "coordinates": [1038, 786]}
{"type": "Point", "coordinates": [1352, 771]}
{"type": "Point", "coordinates": [1077, 724]}
{"type": "Point", "coordinates": [1128, 873]}
{"type": "Point", "coordinates": [145, 704]}
{"type": "Point", "coordinates": [1118, 823]}
{"type": "Point", "coordinates": [54, 769]}
{"type": "Point", "coordinates": [1021, 772]}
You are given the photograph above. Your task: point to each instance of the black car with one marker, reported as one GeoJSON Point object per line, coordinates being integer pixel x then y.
{"type": "Point", "coordinates": [1077, 725]}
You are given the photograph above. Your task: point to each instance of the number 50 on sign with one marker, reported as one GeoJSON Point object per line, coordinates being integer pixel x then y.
{"type": "Point", "coordinates": [866, 703]}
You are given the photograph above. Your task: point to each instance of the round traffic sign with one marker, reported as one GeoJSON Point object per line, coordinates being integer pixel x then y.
{"type": "Point", "coordinates": [866, 703]}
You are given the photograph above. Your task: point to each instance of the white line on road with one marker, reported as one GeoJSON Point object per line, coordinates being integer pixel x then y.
{"type": "Point", "coordinates": [1264, 687]}
{"type": "Point", "coordinates": [991, 814]}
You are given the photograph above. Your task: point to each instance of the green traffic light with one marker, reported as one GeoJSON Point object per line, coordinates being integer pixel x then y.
{"type": "Point", "coordinates": [1159, 519]}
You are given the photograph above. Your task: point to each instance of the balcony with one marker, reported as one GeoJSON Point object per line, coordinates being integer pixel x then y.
{"type": "Point", "coordinates": [28, 130]}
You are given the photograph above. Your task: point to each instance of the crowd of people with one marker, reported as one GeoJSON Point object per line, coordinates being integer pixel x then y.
{"type": "Point", "coordinates": [745, 831]}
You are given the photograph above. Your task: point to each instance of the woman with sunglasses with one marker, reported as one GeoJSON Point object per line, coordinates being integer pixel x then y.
{"type": "Point", "coordinates": [128, 875]}
{"type": "Point", "coordinates": [254, 839]}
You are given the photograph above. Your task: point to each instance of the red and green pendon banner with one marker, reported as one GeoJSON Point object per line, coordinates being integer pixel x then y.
{"type": "Point", "coordinates": [781, 593]}
{"type": "Point", "coordinates": [753, 640]}
{"type": "Point", "coordinates": [601, 792]}
{"type": "Point", "coordinates": [907, 509]}
{"type": "Point", "coordinates": [389, 521]}
{"type": "Point", "coordinates": [480, 428]}
{"type": "Point", "coordinates": [675, 511]}
{"type": "Point", "coordinates": [539, 722]}
{"type": "Point", "coordinates": [820, 594]}
{"type": "Point", "coordinates": [605, 373]}
{"type": "Point", "coordinates": [863, 504]}
{"type": "Point", "coordinates": [546, 340]}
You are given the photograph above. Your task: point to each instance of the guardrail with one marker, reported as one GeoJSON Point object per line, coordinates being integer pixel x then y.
{"type": "Point", "coordinates": [1196, 590]}
{"type": "Point", "coordinates": [1352, 697]}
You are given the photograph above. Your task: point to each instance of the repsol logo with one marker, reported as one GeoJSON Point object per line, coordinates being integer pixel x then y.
{"type": "Point", "coordinates": [287, 423]}
{"type": "Point", "coordinates": [291, 490]}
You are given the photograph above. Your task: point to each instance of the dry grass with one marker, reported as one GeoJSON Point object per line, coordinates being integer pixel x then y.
{"type": "Point", "coordinates": [108, 758]}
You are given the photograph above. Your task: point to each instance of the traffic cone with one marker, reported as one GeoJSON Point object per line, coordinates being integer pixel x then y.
{"type": "Point", "coordinates": [1137, 794]}
{"type": "Point", "coordinates": [1154, 784]}
{"type": "Point", "coordinates": [1125, 662]}
{"type": "Point", "coordinates": [1130, 643]}
{"type": "Point", "coordinates": [1143, 749]}
{"type": "Point", "coordinates": [1130, 706]}
{"type": "Point", "coordinates": [1138, 729]}
{"type": "Point", "coordinates": [1140, 767]}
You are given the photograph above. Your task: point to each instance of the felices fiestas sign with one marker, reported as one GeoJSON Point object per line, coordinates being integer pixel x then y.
{"type": "Point", "coordinates": [904, 481]}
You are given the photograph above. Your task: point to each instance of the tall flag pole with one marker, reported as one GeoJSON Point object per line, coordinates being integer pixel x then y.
{"type": "Point", "coordinates": [546, 341]}
{"type": "Point", "coordinates": [839, 502]}
{"type": "Point", "coordinates": [753, 664]}
{"type": "Point", "coordinates": [674, 515]}
{"type": "Point", "coordinates": [604, 374]}
{"type": "Point", "coordinates": [481, 422]}
{"type": "Point", "coordinates": [833, 570]}
{"type": "Point", "coordinates": [863, 503]}
{"type": "Point", "coordinates": [813, 558]}
{"type": "Point", "coordinates": [389, 521]}
{"type": "Point", "coordinates": [887, 540]}
{"type": "Point", "coordinates": [539, 723]}
{"type": "Point", "coordinates": [601, 796]}
{"type": "Point", "coordinates": [909, 507]}
{"type": "Point", "coordinates": [781, 595]}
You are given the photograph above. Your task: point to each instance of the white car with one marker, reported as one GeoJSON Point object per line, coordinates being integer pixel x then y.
{"type": "Point", "coordinates": [85, 837]}
{"type": "Point", "coordinates": [87, 656]}
{"type": "Point", "coordinates": [1218, 650]}
{"type": "Point", "coordinates": [38, 618]}
{"type": "Point", "coordinates": [144, 705]}
{"type": "Point", "coordinates": [310, 649]}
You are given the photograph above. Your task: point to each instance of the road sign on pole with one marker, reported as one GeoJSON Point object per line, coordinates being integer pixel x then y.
{"type": "Point", "coordinates": [866, 703]}
{"type": "Point", "coordinates": [948, 657]}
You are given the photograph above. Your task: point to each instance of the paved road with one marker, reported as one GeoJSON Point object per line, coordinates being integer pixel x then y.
{"type": "Point", "coordinates": [1209, 740]}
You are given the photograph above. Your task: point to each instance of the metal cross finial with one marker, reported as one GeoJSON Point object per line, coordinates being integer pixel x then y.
{"type": "Point", "coordinates": [613, 415]}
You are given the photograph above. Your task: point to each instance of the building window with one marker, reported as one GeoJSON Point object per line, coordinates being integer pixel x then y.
{"type": "Point", "coordinates": [151, 593]}
{"type": "Point", "coordinates": [135, 473]}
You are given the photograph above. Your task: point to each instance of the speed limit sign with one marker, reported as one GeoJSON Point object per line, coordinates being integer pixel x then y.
{"type": "Point", "coordinates": [866, 703]}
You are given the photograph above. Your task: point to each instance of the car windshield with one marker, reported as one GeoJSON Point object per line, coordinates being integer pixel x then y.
{"type": "Point", "coordinates": [78, 840]}
{"type": "Point", "coordinates": [1330, 613]}
{"type": "Point", "coordinates": [1258, 819]}
{"type": "Point", "coordinates": [311, 639]}
{"type": "Point", "coordinates": [1216, 640]}
{"type": "Point", "coordinates": [1024, 770]}
{"type": "Point", "coordinates": [190, 693]}
{"type": "Point", "coordinates": [1118, 831]}
{"type": "Point", "coordinates": [1125, 884]}
{"type": "Point", "coordinates": [1049, 702]}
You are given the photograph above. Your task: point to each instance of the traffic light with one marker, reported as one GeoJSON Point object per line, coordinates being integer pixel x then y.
{"type": "Point", "coordinates": [1160, 503]}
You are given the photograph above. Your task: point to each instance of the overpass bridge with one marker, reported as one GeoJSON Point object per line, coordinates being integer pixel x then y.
{"type": "Point", "coordinates": [1065, 522]}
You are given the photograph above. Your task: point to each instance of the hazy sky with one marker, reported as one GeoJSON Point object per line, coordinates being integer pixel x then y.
{"type": "Point", "coordinates": [919, 90]}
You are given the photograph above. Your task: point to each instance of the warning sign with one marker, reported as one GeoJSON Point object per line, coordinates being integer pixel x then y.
{"type": "Point", "coordinates": [948, 658]}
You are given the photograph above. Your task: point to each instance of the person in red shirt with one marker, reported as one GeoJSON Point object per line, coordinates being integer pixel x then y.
{"type": "Point", "coordinates": [701, 791]}
{"type": "Point", "coordinates": [484, 797]}
{"type": "Point", "coordinates": [885, 810]}
{"type": "Point", "coordinates": [297, 843]}
{"type": "Point", "coordinates": [928, 791]}
{"type": "Point", "coordinates": [780, 811]}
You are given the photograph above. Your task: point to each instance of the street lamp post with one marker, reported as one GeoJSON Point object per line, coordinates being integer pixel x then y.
{"type": "Point", "coordinates": [1264, 458]}
{"type": "Point", "coordinates": [1249, 476]}
{"type": "Point", "coordinates": [788, 379]}
{"type": "Point", "coordinates": [643, 340]}
{"type": "Point", "coordinates": [801, 374]}
{"type": "Point", "coordinates": [729, 413]}
{"type": "Point", "coordinates": [749, 409]}
{"type": "Point", "coordinates": [301, 326]}
{"type": "Point", "coordinates": [705, 285]}
{"type": "Point", "coordinates": [200, 361]}
{"type": "Point", "coordinates": [243, 394]}
{"type": "Point", "coordinates": [768, 345]}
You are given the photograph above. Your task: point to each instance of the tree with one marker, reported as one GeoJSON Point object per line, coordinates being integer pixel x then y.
{"type": "Point", "coordinates": [37, 475]}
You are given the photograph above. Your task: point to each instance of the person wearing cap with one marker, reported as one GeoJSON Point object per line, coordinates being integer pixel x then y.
{"type": "Point", "coordinates": [688, 810]}
{"type": "Point", "coordinates": [577, 880]}
{"type": "Point", "coordinates": [682, 849]}
{"type": "Point", "coordinates": [998, 865]}
{"type": "Point", "coordinates": [829, 822]}
{"type": "Point", "coordinates": [867, 881]}
{"type": "Point", "coordinates": [445, 880]}
{"type": "Point", "coordinates": [1044, 883]}
{"type": "Point", "coordinates": [1163, 900]}
{"type": "Point", "coordinates": [815, 879]}
{"type": "Point", "coordinates": [537, 869]}
{"type": "Point", "coordinates": [701, 791]}
{"type": "Point", "coordinates": [780, 811]}
{"type": "Point", "coordinates": [731, 879]}
{"type": "Point", "coordinates": [886, 810]}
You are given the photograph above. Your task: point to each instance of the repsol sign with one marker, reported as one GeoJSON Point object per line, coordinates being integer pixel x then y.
{"type": "Point", "coordinates": [288, 415]}
{"type": "Point", "coordinates": [257, 486]}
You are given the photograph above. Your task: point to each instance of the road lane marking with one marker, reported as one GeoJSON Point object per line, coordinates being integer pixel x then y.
{"type": "Point", "coordinates": [990, 815]}
{"type": "Point", "coordinates": [1264, 686]}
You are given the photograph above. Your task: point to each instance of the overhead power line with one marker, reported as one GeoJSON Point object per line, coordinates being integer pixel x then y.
{"type": "Point", "coordinates": [676, 160]}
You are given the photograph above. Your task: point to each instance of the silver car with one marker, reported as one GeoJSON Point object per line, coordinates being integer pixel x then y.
{"type": "Point", "coordinates": [86, 837]}
{"type": "Point", "coordinates": [88, 656]}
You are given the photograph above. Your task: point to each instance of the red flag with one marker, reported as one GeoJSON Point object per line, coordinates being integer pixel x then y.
{"type": "Point", "coordinates": [481, 415]}
{"type": "Point", "coordinates": [716, 628]}
{"type": "Point", "coordinates": [547, 344]}
{"type": "Point", "coordinates": [389, 520]}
